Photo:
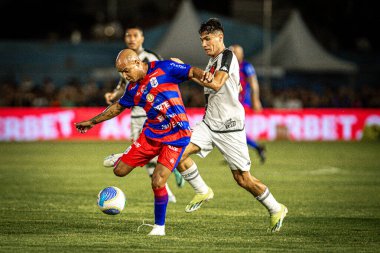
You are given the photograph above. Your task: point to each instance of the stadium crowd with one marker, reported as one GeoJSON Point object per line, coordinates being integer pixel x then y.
{"type": "Point", "coordinates": [28, 93]}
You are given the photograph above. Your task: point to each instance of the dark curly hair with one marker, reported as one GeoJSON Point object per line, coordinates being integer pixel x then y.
{"type": "Point", "coordinates": [134, 26]}
{"type": "Point", "coordinates": [211, 25]}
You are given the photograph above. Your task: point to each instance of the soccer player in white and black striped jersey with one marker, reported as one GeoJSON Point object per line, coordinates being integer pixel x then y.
{"type": "Point", "coordinates": [223, 127]}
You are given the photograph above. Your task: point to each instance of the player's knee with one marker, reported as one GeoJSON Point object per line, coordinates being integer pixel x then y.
{"type": "Point", "coordinates": [120, 170]}
{"type": "Point", "coordinates": [157, 181]}
{"type": "Point", "coordinates": [241, 180]}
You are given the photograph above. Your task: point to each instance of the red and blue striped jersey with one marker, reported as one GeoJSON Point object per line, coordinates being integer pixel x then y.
{"type": "Point", "coordinates": [158, 93]}
{"type": "Point", "coordinates": [246, 70]}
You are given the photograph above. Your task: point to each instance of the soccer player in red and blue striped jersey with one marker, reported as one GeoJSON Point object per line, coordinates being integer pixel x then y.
{"type": "Point", "coordinates": [159, 95]}
{"type": "Point", "coordinates": [166, 132]}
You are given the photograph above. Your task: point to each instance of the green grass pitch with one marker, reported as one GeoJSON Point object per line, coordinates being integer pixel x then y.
{"type": "Point", "coordinates": [49, 190]}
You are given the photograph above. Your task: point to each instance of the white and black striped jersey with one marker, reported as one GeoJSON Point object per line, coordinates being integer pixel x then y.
{"type": "Point", "coordinates": [147, 56]}
{"type": "Point", "coordinates": [224, 112]}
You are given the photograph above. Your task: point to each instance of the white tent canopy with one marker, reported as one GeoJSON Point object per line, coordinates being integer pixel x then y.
{"type": "Point", "coordinates": [182, 38]}
{"type": "Point", "coordinates": [295, 49]}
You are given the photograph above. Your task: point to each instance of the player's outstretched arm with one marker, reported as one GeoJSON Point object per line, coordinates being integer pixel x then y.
{"type": "Point", "coordinates": [109, 113]}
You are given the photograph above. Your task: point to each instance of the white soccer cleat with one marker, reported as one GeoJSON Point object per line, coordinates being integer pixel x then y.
{"type": "Point", "coordinates": [158, 230]}
{"type": "Point", "coordinates": [110, 160]}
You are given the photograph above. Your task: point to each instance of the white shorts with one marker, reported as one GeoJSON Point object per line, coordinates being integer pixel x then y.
{"type": "Point", "coordinates": [233, 146]}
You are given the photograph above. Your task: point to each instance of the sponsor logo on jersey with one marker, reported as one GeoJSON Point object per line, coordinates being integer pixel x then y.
{"type": "Point", "coordinates": [177, 65]}
{"type": "Point", "coordinates": [163, 105]}
{"type": "Point", "coordinates": [171, 115]}
{"type": "Point", "coordinates": [230, 123]}
{"type": "Point", "coordinates": [160, 118]}
{"type": "Point", "coordinates": [153, 82]}
{"type": "Point", "coordinates": [150, 97]}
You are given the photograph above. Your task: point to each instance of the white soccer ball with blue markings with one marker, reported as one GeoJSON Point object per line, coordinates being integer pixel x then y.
{"type": "Point", "coordinates": [111, 200]}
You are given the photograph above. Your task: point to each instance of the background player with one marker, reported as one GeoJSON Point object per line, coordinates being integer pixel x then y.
{"type": "Point", "coordinates": [250, 94]}
{"type": "Point", "coordinates": [223, 127]}
{"type": "Point", "coordinates": [154, 87]}
{"type": "Point", "coordinates": [134, 39]}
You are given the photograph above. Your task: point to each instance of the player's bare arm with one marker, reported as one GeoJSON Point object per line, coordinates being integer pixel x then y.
{"type": "Point", "coordinates": [209, 80]}
{"type": "Point", "coordinates": [177, 60]}
{"type": "Point", "coordinates": [197, 69]}
{"type": "Point", "coordinates": [198, 75]}
{"type": "Point", "coordinates": [109, 113]}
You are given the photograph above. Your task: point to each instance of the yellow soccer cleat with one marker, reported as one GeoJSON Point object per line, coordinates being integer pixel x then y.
{"type": "Point", "coordinates": [198, 200]}
{"type": "Point", "coordinates": [277, 219]}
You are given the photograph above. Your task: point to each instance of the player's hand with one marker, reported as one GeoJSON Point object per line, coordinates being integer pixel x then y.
{"type": "Point", "coordinates": [177, 60]}
{"type": "Point", "coordinates": [84, 126]}
{"type": "Point", "coordinates": [108, 97]}
{"type": "Point", "coordinates": [207, 77]}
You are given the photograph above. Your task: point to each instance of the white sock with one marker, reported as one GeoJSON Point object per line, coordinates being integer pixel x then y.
{"type": "Point", "coordinates": [191, 175]}
{"type": "Point", "coordinates": [270, 203]}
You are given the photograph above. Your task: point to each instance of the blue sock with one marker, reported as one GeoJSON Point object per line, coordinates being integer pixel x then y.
{"type": "Point", "coordinates": [160, 204]}
{"type": "Point", "coordinates": [252, 143]}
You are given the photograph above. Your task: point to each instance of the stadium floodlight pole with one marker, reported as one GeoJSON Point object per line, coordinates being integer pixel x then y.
{"type": "Point", "coordinates": [267, 21]}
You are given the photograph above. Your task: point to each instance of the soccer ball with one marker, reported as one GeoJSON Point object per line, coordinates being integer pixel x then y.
{"type": "Point", "coordinates": [111, 200]}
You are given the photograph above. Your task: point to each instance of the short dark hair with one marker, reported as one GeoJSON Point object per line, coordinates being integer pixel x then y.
{"type": "Point", "coordinates": [211, 25]}
{"type": "Point", "coordinates": [134, 27]}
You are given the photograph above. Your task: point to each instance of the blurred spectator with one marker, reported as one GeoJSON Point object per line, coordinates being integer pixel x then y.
{"type": "Point", "coordinates": [71, 94]}
{"type": "Point", "coordinates": [8, 91]}
{"type": "Point", "coordinates": [25, 93]}
{"type": "Point", "coordinates": [45, 94]}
